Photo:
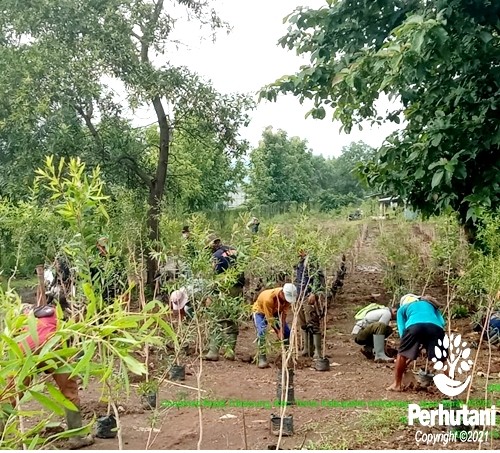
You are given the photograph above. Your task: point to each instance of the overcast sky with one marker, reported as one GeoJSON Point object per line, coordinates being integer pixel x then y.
{"type": "Point", "coordinates": [249, 58]}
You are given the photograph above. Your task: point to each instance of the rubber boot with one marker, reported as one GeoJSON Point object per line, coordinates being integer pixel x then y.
{"type": "Point", "coordinates": [317, 346]}
{"type": "Point", "coordinates": [305, 350]}
{"type": "Point", "coordinates": [261, 341]}
{"type": "Point", "coordinates": [379, 347]}
{"type": "Point", "coordinates": [74, 421]}
{"type": "Point", "coordinates": [367, 352]}
{"type": "Point", "coordinates": [263, 361]}
{"type": "Point", "coordinates": [213, 351]}
{"type": "Point", "coordinates": [311, 344]}
{"type": "Point", "coordinates": [231, 343]}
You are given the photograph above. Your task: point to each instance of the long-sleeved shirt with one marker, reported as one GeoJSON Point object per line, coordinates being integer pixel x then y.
{"type": "Point", "coordinates": [418, 312]}
{"type": "Point", "coordinates": [310, 278]}
{"type": "Point", "coordinates": [379, 315]}
{"type": "Point", "coordinates": [269, 305]}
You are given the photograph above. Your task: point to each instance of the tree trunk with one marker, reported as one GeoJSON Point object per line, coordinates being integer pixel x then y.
{"type": "Point", "coordinates": [158, 187]}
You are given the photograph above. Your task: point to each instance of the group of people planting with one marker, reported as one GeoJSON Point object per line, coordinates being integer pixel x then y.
{"type": "Point", "coordinates": [420, 323]}
{"type": "Point", "coordinates": [271, 307]}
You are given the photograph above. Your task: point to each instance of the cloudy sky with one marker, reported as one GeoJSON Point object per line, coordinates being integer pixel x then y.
{"type": "Point", "coordinates": [248, 58]}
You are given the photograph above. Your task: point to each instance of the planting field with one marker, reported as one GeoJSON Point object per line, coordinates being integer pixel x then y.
{"type": "Point", "coordinates": [372, 417]}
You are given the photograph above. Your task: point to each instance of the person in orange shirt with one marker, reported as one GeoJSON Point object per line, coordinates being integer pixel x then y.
{"type": "Point", "coordinates": [271, 307]}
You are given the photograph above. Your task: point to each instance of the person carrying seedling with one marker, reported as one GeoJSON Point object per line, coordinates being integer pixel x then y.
{"type": "Point", "coordinates": [46, 325]}
{"type": "Point", "coordinates": [223, 260]}
{"type": "Point", "coordinates": [310, 286]}
{"type": "Point", "coordinates": [271, 308]}
{"type": "Point", "coordinates": [371, 330]}
{"type": "Point", "coordinates": [420, 324]}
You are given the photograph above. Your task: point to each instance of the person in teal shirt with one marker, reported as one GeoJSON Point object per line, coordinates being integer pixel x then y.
{"type": "Point", "coordinates": [420, 323]}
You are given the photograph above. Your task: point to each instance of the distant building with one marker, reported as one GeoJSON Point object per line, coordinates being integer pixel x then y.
{"type": "Point", "coordinates": [389, 203]}
{"type": "Point", "coordinates": [237, 199]}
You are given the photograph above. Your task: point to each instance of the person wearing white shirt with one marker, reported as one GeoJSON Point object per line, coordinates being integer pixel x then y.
{"type": "Point", "coordinates": [371, 332]}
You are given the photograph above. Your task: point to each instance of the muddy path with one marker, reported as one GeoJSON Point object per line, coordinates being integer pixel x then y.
{"type": "Point", "coordinates": [374, 422]}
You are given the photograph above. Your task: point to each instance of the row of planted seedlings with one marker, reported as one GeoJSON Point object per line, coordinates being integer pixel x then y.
{"type": "Point", "coordinates": [274, 260]}
{"type": "Point", "coordinates": [107, 334]}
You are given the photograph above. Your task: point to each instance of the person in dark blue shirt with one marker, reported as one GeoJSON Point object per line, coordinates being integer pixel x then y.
{"type": "Point", "coordinates": [420, 323]}
{"type": "Point", "coordinates": [224, 259]}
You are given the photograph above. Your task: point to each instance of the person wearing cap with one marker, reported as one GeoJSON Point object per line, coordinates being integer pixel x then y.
{"type": "Point", "coordinates": [179, 301]}
{"type": "Point", "coordinates": [420, 324]}
{"type": "Point", "coordinates": [310, 285]}
{"type": "Point", "coordinates": [371, 332]}
{"type": "Point", "coordinates": [271, 308]}
{"type": "Point", "coordinates": [224, 259]}
{"type": "Point", "coordinates": [46, 321]}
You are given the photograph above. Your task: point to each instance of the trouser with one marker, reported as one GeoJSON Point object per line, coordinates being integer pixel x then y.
{"type": "Point", "coordinates": [365, 336]}
{"type": "Point", "coordinates": [68, 387]}
{"type": "Point", "coordinates": [309, 317]}
{"type": "Point", "coordinates": [261, 326]}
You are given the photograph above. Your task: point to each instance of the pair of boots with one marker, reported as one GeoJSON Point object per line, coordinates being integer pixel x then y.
{"type": "Point", "coordinates": [214, 346]}
{"type": "Point", "coordinates": [378, 349]}
{"type": "Point", "coordinates": [312, 341]}
{"type": "Point", "coordinates": [263, 363]}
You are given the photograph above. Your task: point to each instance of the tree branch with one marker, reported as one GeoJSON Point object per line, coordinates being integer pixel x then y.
{"type": "Point", "coordinates": [93, 130]}
{"type": "Point", "coordinates": [134, 166]}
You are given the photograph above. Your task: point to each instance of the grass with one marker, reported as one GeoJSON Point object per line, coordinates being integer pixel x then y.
{"type": "Point", "coordinates": [353, 430]}
{"type": "Point", "coordinates": [18, 283]}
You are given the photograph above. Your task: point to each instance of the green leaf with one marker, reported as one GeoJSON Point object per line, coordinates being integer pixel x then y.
{"type": "Point", "coordinates": [47, 403]}
{"type": "Point", "coordinates": [134, 365]}
{"type": "Point", "coordinates": [437, 139]}
{"type": "Point", "coordinates": [418, 40]}
{"type": "Point", "coordinates": [415, 19]}
{"type": "Point", "coordinates": [485, 36]}
{"type": "Point", "coordinates": [436, 179]}
{"type": "Point", "coordinates": [59, 397]}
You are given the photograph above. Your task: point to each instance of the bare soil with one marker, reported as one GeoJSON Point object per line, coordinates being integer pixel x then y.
{"type": "Point", "coordinates": [351, 378]}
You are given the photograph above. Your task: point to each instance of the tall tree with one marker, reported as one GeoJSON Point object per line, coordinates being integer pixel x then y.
{"type": "Point", "coordinates": [281, 169]}
{"type": "Point", "coordinates": [440, 59]}
{"type": "Point", "coordinates": [122, 39]}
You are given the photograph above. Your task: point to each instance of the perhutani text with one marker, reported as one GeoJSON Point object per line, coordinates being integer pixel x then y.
{"type": "Point", "coordinates": [451, 417]}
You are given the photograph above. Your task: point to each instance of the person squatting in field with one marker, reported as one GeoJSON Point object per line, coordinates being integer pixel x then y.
{"type": "Point", "coordinates": [420, 324]}
{"type": "Point", "coordinates": [46, 325]}
{"type": "Point", "coordinates": [223, 260]}
{"type": "Point", "coordinates": [271, 308]}
{"type": "Point", "coordinates": [372, 330]}
{"type": "Point", "coordinates": [310, 286]}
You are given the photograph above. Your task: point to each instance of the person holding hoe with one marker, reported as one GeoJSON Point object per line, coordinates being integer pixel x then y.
{"type": "Point", "coordinates": [420, 324]}
{"type": "Point", "coordinates": [271, 308]}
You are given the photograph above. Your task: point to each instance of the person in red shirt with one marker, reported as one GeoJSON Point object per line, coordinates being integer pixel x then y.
{"type": "Point", "coordinates": [46, 326]}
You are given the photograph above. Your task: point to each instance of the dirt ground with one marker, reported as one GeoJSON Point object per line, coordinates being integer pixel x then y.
{"type": "Point", "coordinates": [351, 378]}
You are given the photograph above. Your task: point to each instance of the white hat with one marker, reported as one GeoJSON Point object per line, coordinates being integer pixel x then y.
{"type": "Point", "coordinates": [290, 292]}
{"type": "Point", "coordinates": [179, 299]}
{"type": "Point", "coordinates": [408, 298]}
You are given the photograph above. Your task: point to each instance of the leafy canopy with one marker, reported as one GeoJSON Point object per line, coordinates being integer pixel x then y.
{"type": "Point", "coordinates": [440, 59]}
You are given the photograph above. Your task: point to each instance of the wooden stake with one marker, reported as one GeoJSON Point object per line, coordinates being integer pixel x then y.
{"type": "Point", "coordinates": [40, 296]}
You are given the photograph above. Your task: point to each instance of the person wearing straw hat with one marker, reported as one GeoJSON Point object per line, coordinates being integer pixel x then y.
{"type": "Point", "coordinates": [271, 308]}
{"type": "Point", "coordinates": [46, 321]}
{"type": "Point", "coordinates": [420, 324]}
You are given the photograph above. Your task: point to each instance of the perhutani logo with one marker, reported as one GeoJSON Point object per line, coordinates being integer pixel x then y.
{"type": "Point", "coordinates": [454, 351]}
{"type": "Point", "coordinates": [451, 356]}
